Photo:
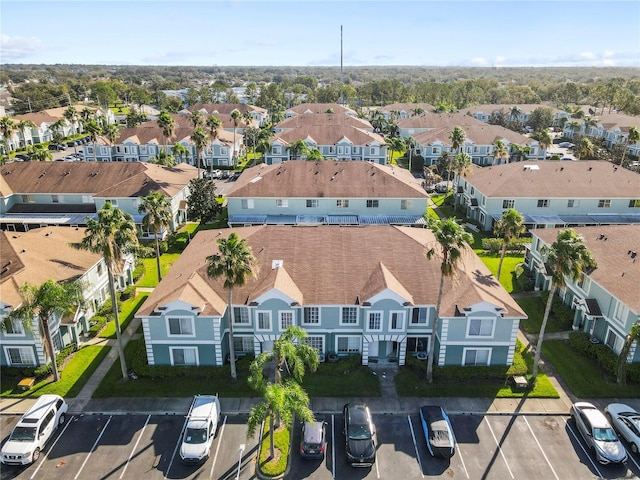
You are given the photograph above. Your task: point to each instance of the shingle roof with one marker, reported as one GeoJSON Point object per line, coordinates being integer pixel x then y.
{"type": "Point", "coordinates": [308, 179]}
{"type": "Point", "coordinates": [554, 179]}
{"type": "Point", "coordinates": [323, 120]}
{"type": "Point", "coordinates": [328, 266]}
{"type": "Point", "coordinates": [407, 107]}
{"type": "Point", "coordinates": [617, 271]}
{"type": "Point", "coordinates": [439, 120]}
{"type": "Point", "coordinates": [483, 134]}
{"type": "Point", "coordinates": [330, 135]}
{"type": "Point", "coordinates": [150, 133]}
{"type": "Point", "coordinates": [226, 108]}
{"type": "Point", "coordinates": [526, 108]}
{"type": "Point", "coordinates": [320, 108]}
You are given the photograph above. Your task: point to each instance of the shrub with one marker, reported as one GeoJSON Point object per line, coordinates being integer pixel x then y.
{"type": "Point", "coordinates": [41, 371]}
{"type": "Point", "coordinates": [494, 245]}
{"type": "Point", "coordinates": [559, 310]}
{"type": "Point", "coordinates": [127, 293]}
{"type": "Point", "coordinates": [605, 357]}
{"type": "Point", "coordinates": [139, 271]}
{"type": "Point", "coordinates": [107, 308]}
{"type": "Point", "coordinates": [524, 278]}
{"type": "Point", "coordinates": [281, 441]}
{"type": "Point", "coordinates": [96, 324]}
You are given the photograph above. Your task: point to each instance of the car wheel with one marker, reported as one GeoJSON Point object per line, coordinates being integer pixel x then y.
{"type": "Point", "coordinates": [61, 420]}
{"type": "Point", "coordinates": [36, 454]}
{"type": "Point", "coordinates": [634, 448]}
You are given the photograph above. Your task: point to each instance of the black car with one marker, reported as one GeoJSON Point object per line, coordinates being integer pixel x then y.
{"type": "Point", "coordinates": [358, 430]}
{"type": "Point", "coordinates": [56, 147]}
{"type": "Point", "coordinates": [23, 156]}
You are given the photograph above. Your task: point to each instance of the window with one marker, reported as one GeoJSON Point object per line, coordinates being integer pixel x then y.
{"type": "Point", "coordinates": [418, 316]}
{"type": "Point", "coordinates": [332, 149]}
{"type": "Point", "coordinates": [243, 344]}
{"type": "Point", "coordinates": [355, 149]}
{"type": "Point", "coordinates": [634, 203]}
{"type": "Point", "coordinates": [374, 321]}
{"type": "Point", "coordinates": [113, 202]}
{"type": "Point", "coordinates": [396, 322]}
{"type": "Point", "coordinates": [247, 203]}
{"type": "Point", "coordinates": [614, 342]}
{"type": "Point", "coordinates": [543, 203]}
{"type": "Point", "coordinates": [436, 150]}
{"type": "Point", "coordinates": [180, 326]}
{"type": "Point", "coordinates": [472, 191]}
{"type": "Point", "coordinates": [417, 344]}
{"type": "Point", "coordinates": [373, 150]}
{"type": "Point", "coordinates": [480, 327]}
{"type": "Point", "coordinates": [315, 342]}
{"type": "Point", "coordinates": [286, 320]}
{"type": "Point", "coordinates": [405, 204]}
{"type": "Point", "coordinates": [348, 344]}
{"type": "Point", "coordinates": [55, 199]}
{"type": "Point", "coordinates": [604, 203]}
{"type": "Point", "coordinates": [312, 203]}
{"type": "Point", "coordinates": [349, 316]}
{"type": "Point", "coordinates": [28, 199]}
{"type": "Point", "coordinates": [484, 200]}
{"type": "Point", "coordinates": [100, 269]}
{"type": "Point", "coordinates": [621, 312]}
{"type": "Point", "coordinates": [372, 203]}
{"type": "Point", "coordinates": [184, 355]}
{"type": "Point", "coordinates": [20, 355]}
{"type": "Point", "coordinates": [311, 315]}
{"type": "Point", "coordinates": [344, 203]}
{"type": "Point", "coordinates": [476, 356]}
{"type": "Point", "coordinates": [508, 203]}
{"type": "Point", "coordinates": [573, 203]}
{"type": "Point", "coordinates": [241, 316]}
{"type": "Point", "coordinates": [13, 326]}
{"type": "Point", "coordinates": [276, 150]}
{"type": "Point", "coordinates": [282, 202]}
{"type": "Point", "coordinates": [86, 199]}
{"type": "Point", "coordinates": [264, 321]}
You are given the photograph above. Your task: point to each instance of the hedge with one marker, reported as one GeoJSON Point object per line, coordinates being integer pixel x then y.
{"type": "Point", "coordinates": [494, 245]}
{"type": "Point", "coordinates": [603, 355]}
{"type": "Point", "coordinates": [41, 371]}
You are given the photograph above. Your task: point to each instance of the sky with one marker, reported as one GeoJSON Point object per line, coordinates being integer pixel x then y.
{"type": "Point", "coordinates": [510, 33]}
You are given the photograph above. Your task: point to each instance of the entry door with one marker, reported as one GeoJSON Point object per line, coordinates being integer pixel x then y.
{"type": "Point", "coordinates": [373, 349]}
{"type": "Point", "coordinates": [267, 346]}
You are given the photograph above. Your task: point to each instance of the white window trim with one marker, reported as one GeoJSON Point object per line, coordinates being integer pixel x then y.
{"type": "Point", "coordinates": [402, 316]}
{"type": "Point", "coordinates": [369, 313]}
{"type": "Point", "coordinates": [321, 337]}
{"type": "Point", "coordinates": [620, 313]}
{"type": "Point", "coordinates": [282, 202]}
{"type": "Point", "coordinates": [311, 323]}
{"type": "Point", "coordinates": [181, 335]}
{"type": "Point", "coordinates": [14, 322]}
{"type": "Point", "coordinates": [293, 318]}
{"type": "Point", "coordinates": [426, 317]}
{"type": "Point", "coordinates": [493, 327]}
{"type": "Point", "coordinates": [464, 355]}
{"type": "Point", "coordinates": [172, 349]}
{"type": "Point", "coordinates": [21, 347]}
{"type": "Point", "coordinates": [358, 337]}
{"type": "Point", "coordinates": [242, 337]}
{"type": "Point", "coordinates": [341, 323]}
{"type": "Point", "coordinates": [242, 309]}
{"type": "Point", "coordinates": [619, 340]}
{"type": "Point", "coordinates": [268, 313]}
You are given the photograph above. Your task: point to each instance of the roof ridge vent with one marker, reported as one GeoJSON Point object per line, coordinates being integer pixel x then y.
{"type": "Point", "coordinates": [276, 264]}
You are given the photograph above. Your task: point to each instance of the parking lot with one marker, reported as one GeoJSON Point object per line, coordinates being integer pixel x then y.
{"type": "Point", "coordinates": [489, 446]}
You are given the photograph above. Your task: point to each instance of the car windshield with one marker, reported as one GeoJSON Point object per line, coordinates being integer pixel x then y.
{"type": "Point", "coordinates": [604, 434]}
{"type": "Point", "coordinates": [23, 434]}
{"type": "Point", "coordinates": [195, 435]}
{"type": "Point", "coordinates": [359, 432]}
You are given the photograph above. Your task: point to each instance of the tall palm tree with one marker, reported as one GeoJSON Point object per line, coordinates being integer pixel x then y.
{"type": "Point", "coordinates": [396, 144]}
{"type": "Point", "coordinates": [180, 151]}
{"type": "Point", "coordinates": [235, 261]}
{"type": "Point", "coordinates": [197, 119]}
{"type": "Point", "coordinates": [199, 139]}
{"type": "Point", "coordinates": [157, 210]}
{"type": "Point", "coordinates": [462, 166]}
{"type": "Point", "coordinates": [23, 125]}
{"type": "Point", "coordinates": [71, 115]}
{"type": "Point", "coordinates": [410, 144]}
{"type": "Point", "coordinates": [451, 239]}
{"type": "Point", "coordinates": [41, 155]}
{"type": "Point", "coordinates": [57, 130]}
{"type": "Point", "coordinates": [167, 124]}
{"type": "Point", "coordinates": [111, 131]}
{"type": "Point", "coordinates": [632, 139]}
{"type": "Point", "coordinates": [569, 257]}
{"type": "Point", "coordinates": [7, 128]}
{"type": "Point", "coordinates": [314, 155]}
{"type": "Point", "coordinates": [632, 336]}
{"type": "Point", "coordinates": [458, 138]}
{"type": "Point", "coordinates": [544, 139]}
{"type": "Point", "coordinates": [264, 146]}
{"type": "Point", "coordinates": [214, 125]}
{"type": "Point", "coordinates": [247, 117]}
{"type": "Point", "coordinates": [113, 235]}
{"type": "Point", "coordinates": [500, 151]}
{"type": "Point", "coordinates": [589, 122]}
{"type": "Point", "coordinates": [93, 131]}
{"type": "Point", "coordinates": [236, 117]}
{"type": "Point", "coordinates": [297, 149]}
{"type": "Point", "coordinates": [515, 114]}
{"type": "Point", "coordinates": [510, 225]}
{"type": "Point", "coordinates": [44, 302]}
{"type": "Point", "coordinates": [584, 148]}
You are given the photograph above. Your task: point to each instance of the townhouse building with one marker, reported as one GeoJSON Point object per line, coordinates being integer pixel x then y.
{"type": "Point", "coordinates": [612, 127]}
{"type": "Point", "coordinates": [519, 113]}
{"type": "Point", "coordinates": [307, 108]}
{"type": "Point", "coordinates": [405, 110]}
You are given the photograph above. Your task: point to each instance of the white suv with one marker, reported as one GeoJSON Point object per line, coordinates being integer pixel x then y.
{"type": "Point", "coordinates": [33, 431]}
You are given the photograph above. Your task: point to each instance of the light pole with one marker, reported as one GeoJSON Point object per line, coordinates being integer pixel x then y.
{"type": "Point", "coordinates": [241, 450]}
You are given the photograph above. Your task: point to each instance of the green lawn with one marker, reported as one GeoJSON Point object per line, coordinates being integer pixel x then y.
{"type": "Point", "coordinates": [129, 309]}
{"type": "Point", "coordinates": [341, 379]}
{"type": "Point", "coordinates": [534, 308]}
{"type": "Point", "coordinates": [281, 438]}
{"type": "Point", "coordinates": [508, 267]}
{"type": "Point", "coordinates": [150, 278]}
{"type": "Point", "coordinates": [73, 375]}
{"type": "Point", "coordinates": [582, 375]}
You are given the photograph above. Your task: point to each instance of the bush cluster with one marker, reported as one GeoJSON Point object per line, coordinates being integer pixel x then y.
{"type": "Point", "coordinates": [524, 279]}
{"type": "Point", "coordinates": [139, 271]}
{"type": "Point", "coordinates": [602, 355]}
{"type": "Point", "coordinates": [127, 293]}
{"type": "Point", "coordinates": [343, 366]}
{"type": "Point", "coordinates": [494, 245]}
{"type": "Point", "coordinates": [559, 310]}
{"type": "Point", "coordinates": [42, 371]}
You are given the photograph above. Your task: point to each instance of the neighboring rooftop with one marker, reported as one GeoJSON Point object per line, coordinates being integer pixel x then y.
{"type": "Point", "coordinates": [483, 134]}
{"type": "Point", "coordinates": [439, 120]}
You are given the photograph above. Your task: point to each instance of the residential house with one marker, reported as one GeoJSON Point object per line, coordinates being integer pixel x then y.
{"type": "Point", "coordinates": [605, 300]}
{"type": "Point", "coordinates": [35, 257]}
{"type": "Point", "coordinates": [378, 302]}
{"type": "Point", "coordinates": [325, 192]}
{"type": "Point", "coordinates": [41, 194]}
{"type": "Point", "coordinates": [307, 108]}
{"type": "Point", "coordinates": [520, 113]}
{"type": "Point", "coordinates": [259, 114]}
{"type": "Point", "coordinates": [613, 128]}
{"type": "Point", "coordinates": [416, 124]}
{"type": "Point", "coordinates": [405, 110]}
{"type": "Point", "coordinates": [551, 193]}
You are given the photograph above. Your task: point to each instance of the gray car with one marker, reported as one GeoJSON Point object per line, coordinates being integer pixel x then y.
{"type": "Point", "coordinates": [598, 433]}
{"type": "Point", "coordinates": [313, 443]}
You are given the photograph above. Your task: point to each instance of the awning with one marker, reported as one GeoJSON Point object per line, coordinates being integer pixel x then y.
{"type": "Point", "coordinates": [593, 308]}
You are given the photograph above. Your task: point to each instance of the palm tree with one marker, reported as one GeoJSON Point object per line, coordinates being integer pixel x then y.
{"type": "Point", "coordinates": [515, 114]}
{"type": "Point", "coordinates": [589, 122]}
{"type": "Point", "coordinates": [632, 336]}
{"type": "Point", "coordinates": [93, 131]}
{"type": "Point", "coordinates": [197, 119]}
{"type": "Point", "coordinates": [584, 148]}
{"type": "Point", "coordinates": [458, 138]}
{"type": "Point", "coordinates": [632, 139]}
{"type": "Point", "coordinates": [510, 225]}
{"type": "Point", "coordinates": [235, 261]}
{"type": "Point", "coordinates": [23, 125]}
{"type": "Point", "coordinates": [236, 117]}
{"type": "Point", "coordinates": [113, 235]}
{"type": "Point", "coordinates": [41, 155]}
{"type": "Point", "coordinates": [214, 125]}
{"type": "Point", "coordinates": [111, 131]}
{"type": "Point", "coordinates": [7, 128]}
{"type": "Point", "coordinates": [569, 257]}
{"type": "Point", "coordinates": [157, 210]}
{"type": "Point", "coordinates": [44, 302]}
{"type": "Point", "coordinates": [71, 116]}
{"type": "Point", "coordinates": [417, 111]}
{"type": "Point", "coordinates": [462, 166]}
{"type": "Point", "coordinates": [500, 151]}
{"type": "Point", "coordinates": [57, 130]}
{"type": "Point", "coordinates": [396, 144]}
{"type": "Point", "coordinates": [451, 239]}
{"type": "Point", "coordinates": [544, 139]}
{"type": "Point", "coordinates": [410, 144]}
{"type": "Point", "coordinates": [297, 149]}
{"type": "Point", "coordinates": [264, 146]}
{"type": "Point", "coordinates": [180, 151]}
{"type": "Point", "coordinates": [247, 117]}
{"type": "Point", "coordinates": [164, 158]}
{"type": "Point", "coordinates": [314, 155]}
{"type": "Point", "coordinates": [167, 124]}
{"type": "Point", "coordinates": [199, 139]}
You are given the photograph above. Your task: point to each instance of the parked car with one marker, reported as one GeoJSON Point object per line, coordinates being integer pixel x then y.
{"type": "Point", "coordinates": [598, 433]}
{"type": "Point", "coordinates": [225, 174]}
{"type": "Point", "coordinates": [438, 431]}
{"type": "Point", "coordinates": [34, 429]}
{"type": "Point", "coordinates": [313, 440]}
{"type": "Point", "coordinates": [626, 420]}
{"type": "Point", "coordinates": [23, 156]}
{"type": "Point", "coordinates": [216, 173]}
{"type": "Point", "coordinates": [359, 432]}
{"type": "Point", "coordinates": [202, 423]}
{"type": "Point", "coordinates": [235, 176]}
{"type": "Point", "coordinates": [56, 147]}
{"type": "Point", "coordinates": [566, 145]}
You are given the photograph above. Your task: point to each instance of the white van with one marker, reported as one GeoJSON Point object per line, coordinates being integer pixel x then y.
{"type": "Point", "coordinates": [33, 431]}
{"type": "Point", "coordinates": [202, 423]}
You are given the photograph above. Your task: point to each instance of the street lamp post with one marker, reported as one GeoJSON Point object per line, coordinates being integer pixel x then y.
{"type": "Point", "coordinates": [241, 450]}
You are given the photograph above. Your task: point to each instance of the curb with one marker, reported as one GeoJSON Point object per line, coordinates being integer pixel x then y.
{"type": "Point", "coordinates": [259, 474]}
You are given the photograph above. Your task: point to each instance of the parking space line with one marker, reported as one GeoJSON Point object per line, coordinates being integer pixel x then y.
{"type": "Point", "coordinates": [44, 457]}
{"type": "Point", "coordinates": [460, 454]}
{"type": "Point", "coordinates": [630, 455]}
{"type": "Point", "coordinates": [184, 425]}
{"type": "Point", "coordinates": [415, 444]}
{"type": "Point", "coordinates": [95, 444]}
{"type": "Point", "coordinates": [377, 469]}
{"type": "Point", "coordinates": [540, 447]}
{"type": "Point", "coordinates": [333, 446]}
{"type": "Point", "coordinates": [215, 457]}
{"type": "Point", "coordinates": [583, 449]}
{"type": "Point", "coordinates": [499, 448]}
{"type": "Point", "coordinates": [135, 447]}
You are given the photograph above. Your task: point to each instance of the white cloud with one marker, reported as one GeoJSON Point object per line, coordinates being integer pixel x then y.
{"type": "Point", "coordinates": [16, 48]}
{"type": "Point", "coordinates": [479, 62]}
{"type": "Point", "coordinates": [586, 56]}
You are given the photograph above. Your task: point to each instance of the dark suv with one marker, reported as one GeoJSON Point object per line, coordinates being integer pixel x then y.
{"type": "Point", "coordinates": [358, 430]}
{"type": "Point", "coordinates": [56, 147]}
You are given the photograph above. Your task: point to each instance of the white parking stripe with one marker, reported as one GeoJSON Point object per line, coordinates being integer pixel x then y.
{"type": "Point", "coordinates": [184, 425]}
{"type": "Point", "coordinates": [52, 445]}
{"type": "Point", "coordinates": [540, 447]}
{"type": "Point", "coordinates": [459, 450]}
{"type": "Point", "coordinates": [333, 446]}
{"type": "Point", "coordinates": [630, 455]}
{"type": "Point", "coordinates": [579, 442]}
{"type": "Point", "coordinates": [486, 419]}
{"type": "Point", "coordinates": [135, 447]}
{"type": "Point", "coordinates": [95, 444]}
{"type": "Point", "coordinates": [224, 422]}
{"type": "Point", "coordinates": [415, 445]}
